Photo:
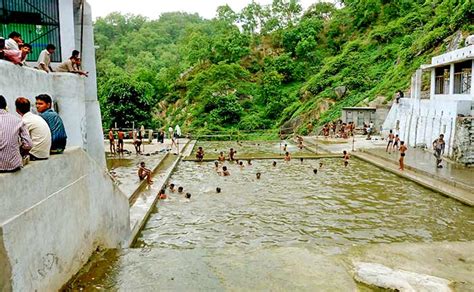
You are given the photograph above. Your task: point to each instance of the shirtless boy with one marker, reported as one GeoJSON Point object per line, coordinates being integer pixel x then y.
{"type": "Point", "coordinates": [391, 137]}
{"type": "Point", "coordinates": [144, 173]}
{"type": "Point", "coordinates": [200, 154]}
{"type": "Point", "coordinates": [346, 158]}
{"type": "Point", "coordinates": [112, 141]}
{"type": "Point", "coordinates": [120, 136]}
{"type": "Point", "coordinates": [402, 149]}
{"type": "Point", "coordinates": [396, 142]}
{"type": "Point", "coordinates": [221, 157]}
{"type": "Point", "coordinates": [287, 156]}
{"type": "Point", "coordinates": [231, 154]}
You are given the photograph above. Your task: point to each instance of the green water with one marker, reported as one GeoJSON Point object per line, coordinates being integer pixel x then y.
{"type": "Point", "coordinates": [290, 205]}
{"type": "Point", "coordinates": [248, 148]}
{"type": "Point", "coordinates": [283, 232]}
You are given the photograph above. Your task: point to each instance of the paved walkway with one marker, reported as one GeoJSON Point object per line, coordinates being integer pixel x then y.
{"type": "Point", "coordinates": [425, 161]}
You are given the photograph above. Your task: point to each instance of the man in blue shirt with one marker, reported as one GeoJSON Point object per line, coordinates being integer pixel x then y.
{"type": "Point", "coordinates": [54, 121]}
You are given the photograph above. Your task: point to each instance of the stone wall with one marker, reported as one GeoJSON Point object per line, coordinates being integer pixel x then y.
{"type": "Point", "coordinates": [464, 141]}
{"type": "Point", "coordinates": [53, 215]}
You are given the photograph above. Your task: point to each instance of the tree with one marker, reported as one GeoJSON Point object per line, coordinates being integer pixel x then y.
{"type": "Point", "coordinates": [124, 101]}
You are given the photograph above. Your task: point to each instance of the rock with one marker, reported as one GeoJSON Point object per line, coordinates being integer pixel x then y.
{"type": "Point", "coordinates": [384, 277]}
{"type": "Point", "coordinates": [340, 91]}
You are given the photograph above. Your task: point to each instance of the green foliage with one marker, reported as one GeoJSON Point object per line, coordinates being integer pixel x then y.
{"type": "Point", "coordinates": [256, 69]}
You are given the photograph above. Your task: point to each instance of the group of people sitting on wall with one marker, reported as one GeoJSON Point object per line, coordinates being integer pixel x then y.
{"type": "Point", "coordinates": [27, 136]}
{"type": "Point", "coordinates": [16, 51]}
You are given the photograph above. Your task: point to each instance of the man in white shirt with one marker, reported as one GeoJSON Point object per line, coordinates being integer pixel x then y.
{"type": "Point", "coordinates": [37, 127]}
{"type": "Point", "coordinates": [177, 131]}
{"type": "Point", "coordinates": [13, 42]}
{"type": "Point", "coordinates": [44, 59]}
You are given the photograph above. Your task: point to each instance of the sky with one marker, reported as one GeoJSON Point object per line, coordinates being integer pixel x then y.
{"type": "Point", "coordinates": [153, 8]}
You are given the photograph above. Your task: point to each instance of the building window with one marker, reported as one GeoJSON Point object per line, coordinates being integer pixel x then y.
{"type": "Point", "coordinates": [36, 20]}
{"type": "Point", "coordinates": [462, 77]}
{"type": "Point", "coordinates": [442, 80]}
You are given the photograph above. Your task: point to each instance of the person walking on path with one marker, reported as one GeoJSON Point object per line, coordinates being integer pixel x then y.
{"type": "Point", "coordinates": [438, 147]}
{"type": "Point", "coordinates": [177, 131]}
{"type": "Point", "coordinates": [402, 150]}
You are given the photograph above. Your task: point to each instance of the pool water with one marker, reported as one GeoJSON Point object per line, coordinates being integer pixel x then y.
{"type": "Point", "coordinates": [290, 230]}
{"type": "Point", "coordinates": [290, 205]}
{"type": "Point", "coordinates": [248, 148]}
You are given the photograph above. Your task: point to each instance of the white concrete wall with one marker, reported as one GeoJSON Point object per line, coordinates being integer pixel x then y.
{"type": "Point", "coordinates": [66, 28]}
{"type": "Point", "coordinates": [68, 92]}
{"type": "Point", "coordinates": [421, 121]}
{"type": "Point", "coordinates": [53, 215]}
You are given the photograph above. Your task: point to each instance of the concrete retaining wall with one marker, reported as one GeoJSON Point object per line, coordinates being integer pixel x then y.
{"type": "Point", "coordinates": [53, 215]}
{"type": "Point", "coordinates": [419, 122]}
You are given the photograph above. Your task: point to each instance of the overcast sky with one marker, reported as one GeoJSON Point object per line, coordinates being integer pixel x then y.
{"type": "Point", "coordinates": [153, 8]}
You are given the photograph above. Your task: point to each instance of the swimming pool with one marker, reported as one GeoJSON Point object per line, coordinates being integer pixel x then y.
{"type": "Point", "coordinates": [284, 231]}
{"type": "Point", "coordinates": [290, 205]}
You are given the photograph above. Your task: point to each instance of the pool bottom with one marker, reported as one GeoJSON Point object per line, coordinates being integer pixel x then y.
{"type": "Point", "coordinates": [267, 269]}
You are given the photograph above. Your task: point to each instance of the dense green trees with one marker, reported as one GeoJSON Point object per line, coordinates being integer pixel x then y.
{"type": "Point", "coordinates": [267, 64]}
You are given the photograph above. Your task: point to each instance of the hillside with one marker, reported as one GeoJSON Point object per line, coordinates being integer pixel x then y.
{"type": "Point", "coordinates": [267, 66]}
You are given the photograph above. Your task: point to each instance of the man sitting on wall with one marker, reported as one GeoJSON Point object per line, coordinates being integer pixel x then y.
{"type": "Point", "coordinates": [44, 59]}
{"type": "Point", "coordinates": [18, 57]}
{"type": "Point", "coordinates": [14, 41]}
{"type": "Point", "coordinates": [12, 130]}
{"type": "Point", "coordinates": [54, 121]}
{"type": "Point", "coordinates": [71, 66]}
{"type": "Point", "coordinates": [38, 129]}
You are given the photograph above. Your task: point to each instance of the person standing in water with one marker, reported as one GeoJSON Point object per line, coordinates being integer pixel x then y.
{"type": "Point", "coordinates": [346, 158]}
{"type": "Point", "coordinates": [232, 154]}
{"type": "Point", "coordinates": [221, 157]}
{"type": "Point", "coordinates": [438, 147]}
{"type": "Point", "coordinates": [287, 156]}
{"type": "Point", "coordinates": [200, 154]}
{"type": "Point", "coordinates": [402, 150]}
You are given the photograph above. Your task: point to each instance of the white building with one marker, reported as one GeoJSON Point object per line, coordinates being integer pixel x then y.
{"type": "Point", "coordinates": [448, 108]}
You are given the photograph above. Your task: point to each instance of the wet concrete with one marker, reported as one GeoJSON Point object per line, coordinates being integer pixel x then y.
{"type": "Point", "coordinates": [425, 161]}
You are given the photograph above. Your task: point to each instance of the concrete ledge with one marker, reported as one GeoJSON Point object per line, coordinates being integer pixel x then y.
{"type": "Point", "coordinates": [54, 215]}
{"type": "Point", "coordinates": [451, 182]}
{"type": "Point", "coordinates": [145, 201]}
{"type": "Point", "coordinates": [456, 193]}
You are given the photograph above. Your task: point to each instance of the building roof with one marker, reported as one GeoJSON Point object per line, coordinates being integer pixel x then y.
{"type": "Point", "coordinates": [456, 56]}
{"type": "Point", "coordinates": [359, 108]}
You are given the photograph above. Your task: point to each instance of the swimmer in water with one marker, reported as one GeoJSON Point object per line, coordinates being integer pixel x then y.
{"type": "Point", "coordinates": [162, 194]}
{"type": "Point", "coordinates": [301, 159]}
{"type": "Point", "coordinates": [218, 190]}
{"type": "Point", "coordinates": [221, 157]}
{"type": "Point", "coordinates": [216, 164]}
{"type": "Point", "coordinates": [180, 190]}
{"type": "Point", "coordinates": [172, 188]}
{"type": "Point", "coordinates": [259, 175]}
{"type": "Point", "coordinates": [287, 156]}
{"type": "Point", "coordinates": [345, 158]}
{"type": "Point", "coordinates": [241, 164]}
{"type": "Point", "coordinates": [320, 165]}
{"type": "Point", "coordinates": [315, 171]}
{"type": "Point", "coordinates": [274, 163]}
{"type": "Point", "coordinates": [249, 162]}
{"type": "Point", "coordinates": [285, 147]}
{"type": "Point", "coordinates": [225, 172]}
{"type": "Point", "coordinates": [188, 196]}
